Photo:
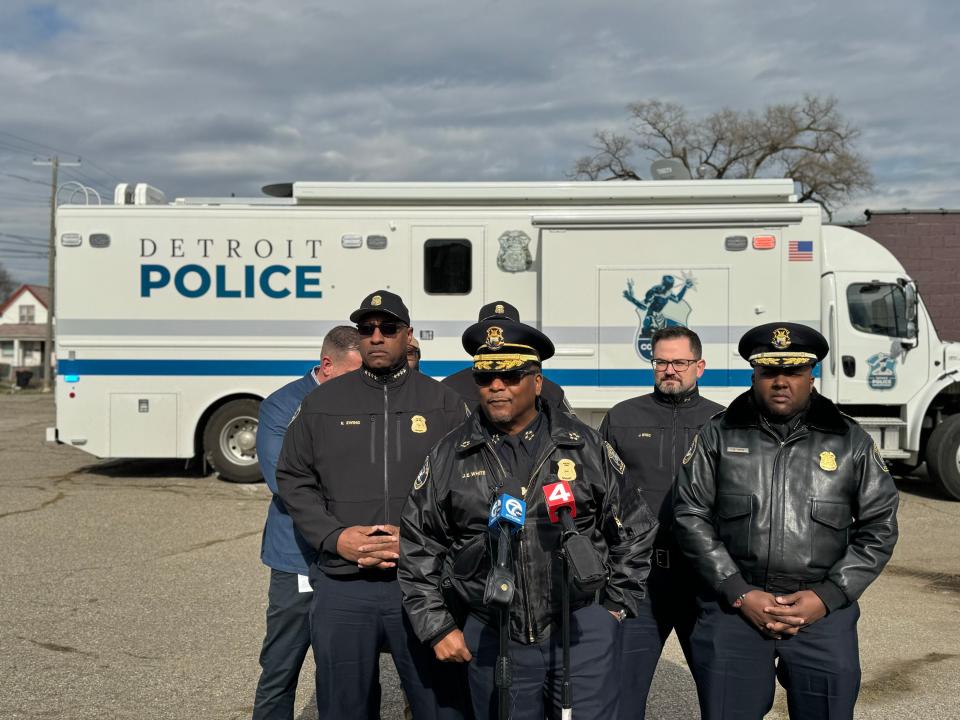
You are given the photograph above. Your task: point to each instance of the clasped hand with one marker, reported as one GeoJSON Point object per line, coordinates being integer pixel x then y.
{"type": "Point", "coordinates": [780, 615]}
{"type": "Point", "coordinates": [370, 546]}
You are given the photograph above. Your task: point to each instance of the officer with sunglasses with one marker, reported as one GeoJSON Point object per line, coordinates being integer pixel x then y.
{"type": "Point", "coordinates": [517, 445]}
{"type": "Point", "coordinates": [500, 311]}
{"type": "Point", "coordinates": [349, 460]}
{"type": "Point", "coordinates": [651, 433]}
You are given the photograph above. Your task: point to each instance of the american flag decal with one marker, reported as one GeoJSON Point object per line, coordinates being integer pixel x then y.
{"type": "Point", "coordinates": [800, 251]}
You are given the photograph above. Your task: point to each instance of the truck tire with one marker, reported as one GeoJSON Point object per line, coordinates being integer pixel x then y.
{"type": "Point", "coordinates": [230, 441]}
{"type": "Point", "coordinates": [943, 456]}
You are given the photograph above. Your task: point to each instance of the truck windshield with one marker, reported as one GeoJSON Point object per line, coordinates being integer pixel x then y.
{"type": "Point", "coordinates": [878, 309]}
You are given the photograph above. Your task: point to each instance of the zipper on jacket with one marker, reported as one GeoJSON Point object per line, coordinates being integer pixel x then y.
{"type": "Point", "coordinates": [396, 439]}
{"type": "Point", "coordinates": [528, 615]}
{"type": "Point", "coordinates": [373, 439]}
{"type": "Point", "coordinates": [386, 455]}
{"type": "Point", "coordinates": [673, 441]}
{"type": "Point", "coordinates": [523, 556]}
{"type": "Point", "coordinates": [781, 480]}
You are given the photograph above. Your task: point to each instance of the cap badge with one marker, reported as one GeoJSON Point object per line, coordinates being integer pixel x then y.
{"type": "Point", "coordinates": [781, 339]}
{"type": "Point", "coordinates": [499, 309]}
{"type": "Point", "coordinates": [828, 461]}
{"type": "Point", "coordinates": [566, 470]}
{"type": "Point", "coordinates": [418, 424]}
{"type": "Point", "coordinates": [376, 300]}
{"type": "Point", "coordinates": [494, 337]}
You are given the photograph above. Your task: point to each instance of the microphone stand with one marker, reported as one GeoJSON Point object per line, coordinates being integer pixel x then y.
{"type": "Point", "coordinates": [566, 697]}
{"type": "Point", "coordinates": [503, 675]}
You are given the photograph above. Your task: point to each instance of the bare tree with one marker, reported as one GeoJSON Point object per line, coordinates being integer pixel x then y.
{"type": "Point", "coordinates": [808, 141]}
{"type": "Point", "coordinates": [7, 283]}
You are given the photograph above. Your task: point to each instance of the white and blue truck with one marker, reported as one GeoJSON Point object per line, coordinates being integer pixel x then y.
{"type": "Point", "coordinates": [175, 318]}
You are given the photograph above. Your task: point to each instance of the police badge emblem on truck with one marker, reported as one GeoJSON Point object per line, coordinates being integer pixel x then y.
{"type": "Point", "coordinates": [514, 255]}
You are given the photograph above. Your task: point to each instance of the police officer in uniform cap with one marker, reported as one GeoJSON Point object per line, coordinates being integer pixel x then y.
{"type": "Point", "coordinates": [499, 312]}
{"type": "Point", "coordinates": [787, 511]}
{"type": "Point", "coordinates": [349, 459]}
{"type": "Point", "coordinates": [517, 445]}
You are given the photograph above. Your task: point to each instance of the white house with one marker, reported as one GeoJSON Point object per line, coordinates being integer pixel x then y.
{"type": "Point", "coordinates": [23, 328]}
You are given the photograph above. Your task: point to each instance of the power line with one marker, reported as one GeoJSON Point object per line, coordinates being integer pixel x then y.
{"type": "Point", "coordinates": [56, 150]}
{"type": "Point", "coordinates": [25, 179]}
{"type": "Point", "coordinates": [25, 239]}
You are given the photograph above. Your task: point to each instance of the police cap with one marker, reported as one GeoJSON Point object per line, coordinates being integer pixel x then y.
{"type": "Point", "coordinates": [499, 346]}
{"type": "Point", "coordinates": [382, 301]}
{"type": "Point", "coordinates": [498, 309]}
{"type": "Point", "coordinates": [783, 344]}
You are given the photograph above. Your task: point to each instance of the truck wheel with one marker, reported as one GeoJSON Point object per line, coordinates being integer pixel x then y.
{"type": "Point", "coordinates": [230, 441]}
{"type": "Point", "coordinates": [943, 456]}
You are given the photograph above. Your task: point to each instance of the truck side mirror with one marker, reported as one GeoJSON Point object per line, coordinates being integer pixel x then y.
{"type": "Point", "coordinates": [910, 295]}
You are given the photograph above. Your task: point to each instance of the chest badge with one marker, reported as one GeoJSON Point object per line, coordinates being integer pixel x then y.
{"type": "Point", "coordinates": [418, 424]}
{"type": "Point", "coordinates": [828, 461]}
{"type": "Point", "coordinates": [566, 470]}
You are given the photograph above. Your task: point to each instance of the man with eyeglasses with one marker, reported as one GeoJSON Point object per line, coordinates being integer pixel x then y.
{"type": "Point", "coordinates": [349, 459]}
{"type": "Point", "coordinates": [651, 433]}
{"type": "Point", "coordinates": [516, 445]}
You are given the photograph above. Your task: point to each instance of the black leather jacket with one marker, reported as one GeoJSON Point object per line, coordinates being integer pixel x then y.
{"type": "Point", "coordinates": [816, 511]}
{"type": "Point", "coordinates": [444, 524]}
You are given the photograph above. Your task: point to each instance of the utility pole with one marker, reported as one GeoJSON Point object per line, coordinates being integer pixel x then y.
{"type": "Point", "coordinates": [55, 164]}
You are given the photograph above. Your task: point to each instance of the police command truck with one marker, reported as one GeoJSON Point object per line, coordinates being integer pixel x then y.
{"type": "Point", "coordinates": [174, 319]}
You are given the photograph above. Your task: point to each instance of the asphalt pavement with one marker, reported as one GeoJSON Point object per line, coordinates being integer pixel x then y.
{"type": "Point", "coordinates": [133, 589]}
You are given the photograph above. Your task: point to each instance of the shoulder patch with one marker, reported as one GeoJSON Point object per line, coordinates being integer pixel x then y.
{"type": "Point", "coordinates": [615, 460]}
{"type": "Point", "coordinates": [296, 414]}
{"type": "Point", "coordinates": [693, 448]}
{"type": "Point", "coordinates": [423, 475]}
{"type": "Point", "coordinates": [879, 458]}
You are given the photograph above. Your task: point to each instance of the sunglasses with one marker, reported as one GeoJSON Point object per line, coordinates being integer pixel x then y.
{"type": "Point", "coordinates": [387, 329]}
{"type": "Point", "coordinates": [508, 378]}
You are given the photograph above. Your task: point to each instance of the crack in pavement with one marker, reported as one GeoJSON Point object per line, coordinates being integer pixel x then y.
{"type": "Point", "coordinates": [42, 506]}
{"type": "Point", "coordinates": [936, 582]}
{"type": "Point", "coordinates": [899, 678]}
{"type": "Point", "coordinates": [210, 543]}
{"type": "Point", "coordinates": [54, 647]}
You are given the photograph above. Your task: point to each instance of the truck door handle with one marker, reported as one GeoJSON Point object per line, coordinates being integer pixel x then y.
{"type": "Point", "coordinates": [849, 365]}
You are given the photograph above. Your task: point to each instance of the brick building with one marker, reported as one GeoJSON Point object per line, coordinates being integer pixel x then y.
{"type": "Point", "coordinates": [927, 243]}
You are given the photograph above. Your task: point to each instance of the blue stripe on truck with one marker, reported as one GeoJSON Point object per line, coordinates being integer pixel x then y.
{"type": "Point", "coordinates": [608, 377]}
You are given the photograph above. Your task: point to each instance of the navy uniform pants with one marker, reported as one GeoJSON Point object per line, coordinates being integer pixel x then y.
{"type": "Point", "coordinates": [671, 604]}
{"type": "Point", "coordinates": [736, 667]}
{"type": "Point", "coordinates": [285, 646]}
{"type": "Point", "coordinates": [352, 620]}
{"type": "Point", "coordinates": [538, 669]}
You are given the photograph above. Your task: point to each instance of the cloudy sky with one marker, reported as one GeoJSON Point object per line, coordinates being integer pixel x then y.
{"type": "Point", "coordinates": [212, 97]}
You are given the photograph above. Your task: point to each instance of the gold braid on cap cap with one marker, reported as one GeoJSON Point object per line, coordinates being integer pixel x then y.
{"type": "Point", "coordinates": [783, 359]}
{"type": "Point", "coordinates": [503, 361]}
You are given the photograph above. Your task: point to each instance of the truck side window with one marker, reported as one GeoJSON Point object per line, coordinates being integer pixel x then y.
{"type": "Point", "coordinates": [878, 309]}
{"type": "Point", "coordinates": [447, 267]}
